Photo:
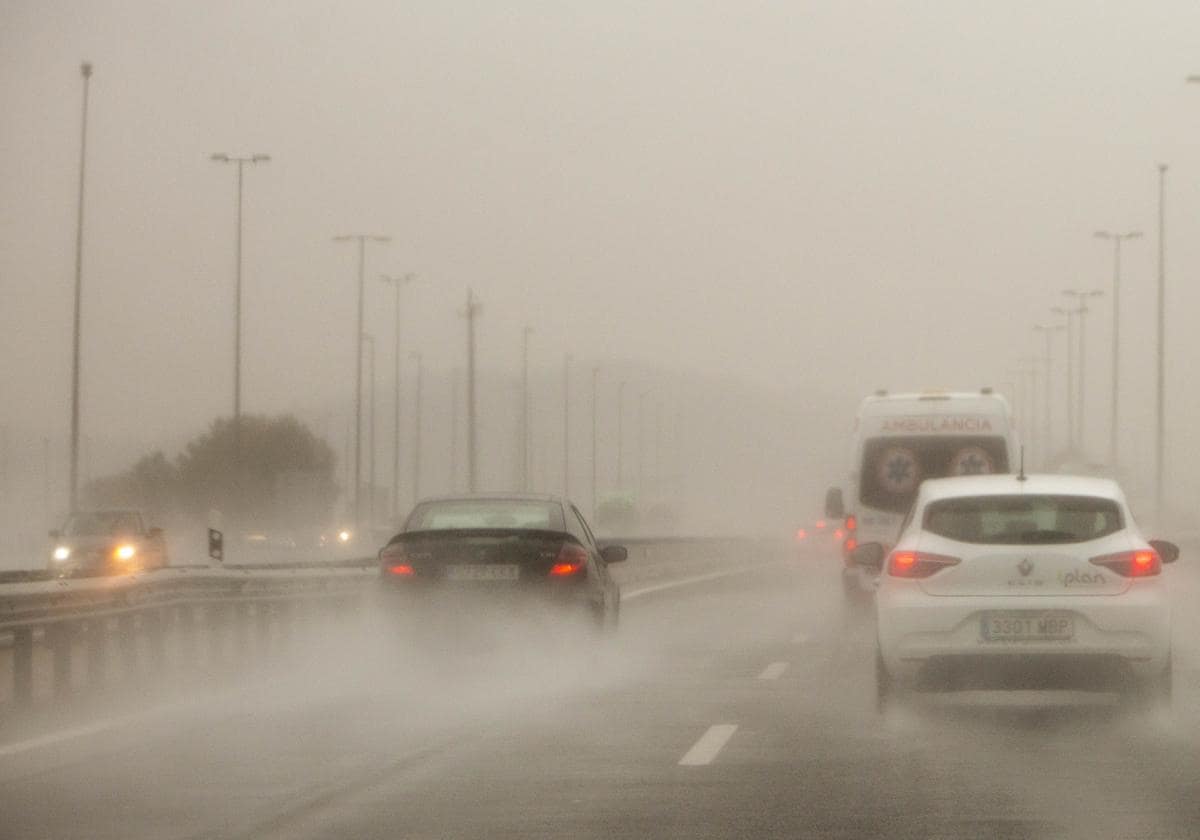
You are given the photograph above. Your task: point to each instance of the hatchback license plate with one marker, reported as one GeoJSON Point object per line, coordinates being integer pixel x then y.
{"type": "Point", "coordinates": [479, 571]}
{"type": "Point", "coordinates": [1026, 626]}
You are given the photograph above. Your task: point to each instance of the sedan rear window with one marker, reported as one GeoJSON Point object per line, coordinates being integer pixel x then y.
{"type": "Point", "coordinates": [455, 514]}
{"type": "Point", "coordinates": [1023, 520]}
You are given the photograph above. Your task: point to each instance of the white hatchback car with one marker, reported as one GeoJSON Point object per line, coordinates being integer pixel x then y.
{"type": "Point", "coordinates": [1039, 581]}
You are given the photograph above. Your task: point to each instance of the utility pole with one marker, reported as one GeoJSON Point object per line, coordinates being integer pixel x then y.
{"type": "Point", "coordinates": [567, 425]}
{"type": "Point", "coordinates": [85, 70]}
{"type": "Point", "coordinates": [1117, 239]}
{"type": "Point", "coordinates": [472, 441]}
{"type": "Point", "coordinates": [416, 479]}
{"type": "Point", "coordinates": [524, 447]}
{"type": "Point", "coordinates": [241, 161]}
{"type": "Point", "coordinates": [1160, 392]}
{"type": "Point", "coordinates": [595, 403]}
{"type": "Point", "coordinates": [361, 239]}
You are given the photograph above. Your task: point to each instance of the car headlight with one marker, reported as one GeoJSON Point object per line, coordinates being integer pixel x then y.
{"type": "Point", "coordinates": [125, 552]}
{"type": "Point", "coordinates": [62, 552]}
{"type": "Point", "coordinates": [344, 536]}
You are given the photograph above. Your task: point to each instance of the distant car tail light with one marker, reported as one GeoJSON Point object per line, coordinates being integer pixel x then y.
{"type": "Point", "coordinates": [801, 534]}
{"type": "Point", "coordinates": [571, 560]}
{"type": "Point", "coordinates": [1140, 563]}
{"type": "Point", "coordinates": [401, 570]}
{"type": "Point", "coordinates": [849, 545]}
{"type": "Point", "coordinates": [917, 564]}
{"type": "Point", "coordinates": [838, 534]}
{"type": "Point", "coordinates": [820, 524]}
{"type": "Point", "coordinates": [851, 523]}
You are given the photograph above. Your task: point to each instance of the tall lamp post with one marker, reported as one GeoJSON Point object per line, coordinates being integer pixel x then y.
{"type": "Point", "coordinates": [524, 447]}
{"type": "Point", "coordinates": [85, 70]}
{"type": "Point", "coordinates": [1048, 331]}
{"type": "Point", "coordinates": [240, 161]}
{"type": "Point", "coordinates": [361, 239]}
{"type": "Point", "coordinates": [595, 403]}
{"type": "Point", "coordinates": [1162, 332]}
{"type": "Point", "coordinates": [369, 341]}
{"type": "Point", "coordinates": [567, 425]}
{"type": "Point", "coordinates": [416, 458]}
{"type": "Point", "coordinates": [1116, 239]}
{"type": "Point", "coordinates": [1081, 299]}
{"type": "Point", "coordinates": [620, 433]}
{"type": "Point", "coordinates": [396, 281]}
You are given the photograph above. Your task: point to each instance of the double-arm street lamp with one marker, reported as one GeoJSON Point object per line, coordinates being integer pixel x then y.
{"type": "Point", "coordinates": [1116, 239]}
{"type": "Point", "coordinates": [361, 239]}
{"type": "Point", "coordinates": [240, 161]}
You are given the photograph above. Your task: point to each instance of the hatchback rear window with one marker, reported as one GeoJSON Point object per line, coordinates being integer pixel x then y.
{"type": "Point", "coordinates": [485, 513]}
{"type": "Point", "coordinates": [1023, 520]}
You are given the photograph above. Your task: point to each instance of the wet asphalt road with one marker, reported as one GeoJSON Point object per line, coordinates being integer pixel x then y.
{"type": "Point", "coordinates": [760, 683]}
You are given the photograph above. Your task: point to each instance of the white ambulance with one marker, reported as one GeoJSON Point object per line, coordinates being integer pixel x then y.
{"type": "Point", "coordinates": [900, 440]}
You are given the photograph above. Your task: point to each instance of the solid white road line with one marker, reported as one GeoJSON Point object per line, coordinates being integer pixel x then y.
{"type": "Point", "coordinates": [710, 743]}
{"type": "Point", "coordinates": [773, 671]}
{"type": "Point", "coordinates": [64, 735]}
{"type": "Point", "coordinates": [629, 595]}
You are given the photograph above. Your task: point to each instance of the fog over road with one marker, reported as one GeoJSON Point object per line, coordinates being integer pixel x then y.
{"type": "Point", "coordinates": [760, 683]}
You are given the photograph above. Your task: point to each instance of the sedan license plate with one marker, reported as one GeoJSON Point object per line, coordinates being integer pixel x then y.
{"type": "Point", "coordinates": [1027, 626]}
{"type": "Point", "coordinates": [479, 571]}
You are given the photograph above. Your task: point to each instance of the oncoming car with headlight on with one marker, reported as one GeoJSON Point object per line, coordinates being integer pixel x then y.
{"type": "Point", "coordinates": [106, 542]}
{"type": "Point", "coordinates": [1039, 581]}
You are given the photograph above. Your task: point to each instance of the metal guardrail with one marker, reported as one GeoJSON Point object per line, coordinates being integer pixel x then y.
{"type": "Point", "coordinates": [138, 614]}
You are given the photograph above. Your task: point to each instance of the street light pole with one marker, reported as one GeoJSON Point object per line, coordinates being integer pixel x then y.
{"type": "Point", "coordinates": [620, 433]}
{"type": "Point", "coordinates": [472, 312]}
{"type": "Point", "coordinates": [1117, 239]}
{"type": "Point", "coordinates": [396, 281]}
{"type": "Point", "coordinates": [524, 448]}
{"type": "Point", "coordinates": [85, 70]}
{"type": "Point", "coordinates": [595, 391]}
{"type": "Point", "coordinates": [1048, 331]}
{"type": "Point", "coordinates": [369, 340]}
{"type": "Point", "coordinates": [1069, 314]}
{"type": "Point", "coordinates": [567, 425]}
{"type": "Point", "coordinates": [361, 239]}
{"type": "Point", "coordinates": [416, 459]}
{"type": "Point", "coordinates": [1160, 393]}
{"type": "Point", "coordinates": [241, 161]}
{"type": "Point", "coordinates": [1082, 311]}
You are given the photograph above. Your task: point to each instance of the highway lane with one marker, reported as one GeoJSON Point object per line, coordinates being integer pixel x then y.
{"type": "Point", "coordinates": [760, 683]}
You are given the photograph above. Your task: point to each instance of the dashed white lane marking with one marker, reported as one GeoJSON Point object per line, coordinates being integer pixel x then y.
{"type": "Point", "coordinates": [64, 735]}
{"type": "Point", "coordinates": [799, 639]}
{"type": "Point", "coordinates": [629, 595]}
{"type": "Point", "coordinates": [709, 745]}
{"type": "Point", "coordinates": [773, 671]}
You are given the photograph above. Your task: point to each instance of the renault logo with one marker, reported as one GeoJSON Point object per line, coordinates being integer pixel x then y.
{"type": "Point", "coordinates": [1025, 567]}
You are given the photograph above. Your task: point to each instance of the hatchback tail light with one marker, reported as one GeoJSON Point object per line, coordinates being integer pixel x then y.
{"type": "Point", "coordinates": [851, 523]}
{"type": "Point", "coordinates": [571, 560]}
{"type": "Point", "coordinates": [1140, 563]}
{"type": "Point", "coordinates": [918, 564]}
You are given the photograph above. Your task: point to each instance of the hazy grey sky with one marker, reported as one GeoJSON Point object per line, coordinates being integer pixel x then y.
{"type": "Point", "coordinates": [837, 194]}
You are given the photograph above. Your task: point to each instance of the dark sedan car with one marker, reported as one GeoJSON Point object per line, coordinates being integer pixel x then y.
{"type": "Point", "coordinates": [513, 555]}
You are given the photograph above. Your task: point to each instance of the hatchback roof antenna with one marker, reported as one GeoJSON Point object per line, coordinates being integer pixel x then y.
{"type": "Point", "coordinates": [1021, 474]}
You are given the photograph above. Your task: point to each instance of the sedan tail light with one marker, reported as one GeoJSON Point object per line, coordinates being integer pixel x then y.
{"type": "Point", "coordinates": [396, 561]}
{"type": "Point", "coordinates": [1140, 563]}
{"type": "Point", "coordinates": [918, 564]}
{"type": "Point", "coordinates": [571, 560]}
